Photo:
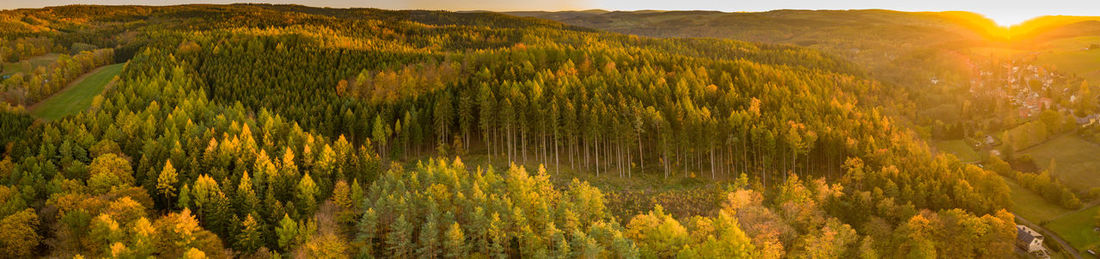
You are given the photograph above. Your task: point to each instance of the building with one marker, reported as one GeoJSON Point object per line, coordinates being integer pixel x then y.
{"type": "Point", "coordinates": [1088, 120]}
{"type": "Point", "coordinates": [1029, 240]}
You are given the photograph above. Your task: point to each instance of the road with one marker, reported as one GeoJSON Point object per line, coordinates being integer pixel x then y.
{"type": "Point", "coordinates": [1051, 235]}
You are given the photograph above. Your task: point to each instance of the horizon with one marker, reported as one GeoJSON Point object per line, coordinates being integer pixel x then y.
{"type": "Point", "coordinates": [1004, 14]}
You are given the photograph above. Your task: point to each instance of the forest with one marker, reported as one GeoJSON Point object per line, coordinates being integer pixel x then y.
{"type": "Point", "coordinates": [264, 131]}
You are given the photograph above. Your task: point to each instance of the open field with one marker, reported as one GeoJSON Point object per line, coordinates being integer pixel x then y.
{"type": "Point", "coordinates": [77, 96]}
{"type": "Point", "coordinates": [15, 67]}
{"type": "Point", "coordinates": [1078, 228]}
{"type": "Point", "coordinates": [1072, 56]}
{"type": "Point", "coordinates": [1031, 206]}
{"type": "Point", "coordinates": [1077, 161]}
{"type": "Point", "coordinates": [960, 149]}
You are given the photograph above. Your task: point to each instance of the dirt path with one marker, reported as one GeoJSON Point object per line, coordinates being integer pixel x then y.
{"type": "Point", "coordinates": [1051, 235]}
{"type": "Point", "coordinates": [70, 85]}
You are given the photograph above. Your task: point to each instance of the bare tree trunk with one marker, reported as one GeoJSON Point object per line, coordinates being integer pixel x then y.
{"type": "Point", "coordinates": [523, 144]}
{"type": "Point", "coordinates": [712, 163]}
{"type": "Point", "coordinates": [557, 162]}
{"type": "Point", "coordinates": [641, 155]}
{"type": "Point", "coordinates": [597, 153]}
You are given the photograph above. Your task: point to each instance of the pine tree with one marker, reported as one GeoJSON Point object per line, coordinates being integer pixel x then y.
{"type": "Point", "coordinates": [429, 245]}
{"type": "Point", "coordinates": [368, 225]}
{"type": "Point", "coordinates": [184, 200]}
{"type": "Point", "coordinates": [442, 115]}
{"type": "Point", "coordinates": [246, 200]}
{"type": "Point", "coordinates": [287, 232]}
{"type": "Point", "coordinates": [166, 182]}
{"type": "Point", "coordinates": [345, 210]}
{"type": "Point", "coordinates": [378, 135]}
{"type": "Point", "coordinates": [486, 116]}
{"type": "Point", "coordinates": [306, 195]}
{"type": "Point", "coordinates": [399, 240]}
{"type": "Point", "coordinates": [454, 243]}
{"type": "Point", "coordinates": [250, 238]}
{"type": "Point", "coordinates": [499, 238]}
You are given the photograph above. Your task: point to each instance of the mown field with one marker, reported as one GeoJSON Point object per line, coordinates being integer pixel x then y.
{"type": "Point", "coordinates": [1078, 228]}
{"type": "Point", "coordinates": [78, 96]}
{"type": "Point", "coordinates": [10, 68]}
{"type": "Point", "coordinates": [960, 149]}
{"type": "Point", "coordinates": [1031, 206]}
{"type": "Point", "coordinates": [1077, 161]}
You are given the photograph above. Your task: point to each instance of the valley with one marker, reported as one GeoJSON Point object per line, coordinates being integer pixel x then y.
{"type": "Point", "coordinates": [263, 131]}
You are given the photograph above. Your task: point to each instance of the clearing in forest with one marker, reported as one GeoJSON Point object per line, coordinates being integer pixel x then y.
{"type": "Point", "coordinates": [960, 149]}
{"type": "Point", "coordinates": [77, 96]}
{"type": "Point", "coordinates": [10, 68]}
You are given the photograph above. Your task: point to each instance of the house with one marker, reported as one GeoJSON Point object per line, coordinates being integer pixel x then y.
{"type": "Point", "coordinates": [1046, 103]}
{"type": "Point", "coordinates": [1088, 120]}
{"type": "Point", "coordinates": [1029, 240]}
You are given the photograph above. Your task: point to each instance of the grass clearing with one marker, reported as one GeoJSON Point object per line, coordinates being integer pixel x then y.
{"type": "Point", "coordinates": [10, 68]}
{"type": "Point", "coordinates": [1078, 229]}
{"type": "Point", "coordinates": [77, 96]}
{"type": "Point", "coordinates": [1077, 161]}
{"type": "Point", "coordinates": [960, 149]}
{"type": "Point", "coordinates": [1031, 206]}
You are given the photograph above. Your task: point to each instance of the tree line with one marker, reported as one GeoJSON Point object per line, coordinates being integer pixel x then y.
{"type": "Point", "coordinates": [41, 82]}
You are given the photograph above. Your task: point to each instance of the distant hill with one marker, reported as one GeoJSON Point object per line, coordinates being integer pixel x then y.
{"type": "Point", "coordinates": [1048, 28]}
{"type": "Point", "coordinates": [890, 44]}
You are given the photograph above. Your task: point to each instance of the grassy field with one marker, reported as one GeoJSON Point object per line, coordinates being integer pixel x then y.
{"type": "Point", "coordinates": [960, 149]}
{"type": "Point", "coordinates": [15, 67]}
{"type": "Point", "coordinates": [1031, 206]}
{"type": "Point", "coordinates": [1077, 229]}
{"type": "Point", "coordinates": [78, 96]}
{"type": "Point", "coordinates": [1077, 161]}
{"type": "Point", "coordinates": [1070, 55]}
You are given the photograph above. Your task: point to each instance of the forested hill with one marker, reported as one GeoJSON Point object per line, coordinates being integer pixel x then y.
{"type": "Point", "coordinates": [925, 57]}
{"type": "Point", "coordinates": [1049, 28]}
{"type": "Point", "coordinates": [799, 27]}
{"type": "Point", "coordinates": [900, 47]}
{"type": "Point", "coordinates": [255, 130]}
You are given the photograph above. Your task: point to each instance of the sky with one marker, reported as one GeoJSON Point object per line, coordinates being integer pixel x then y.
{"type": "Point", "coordinates": [1004, 12]}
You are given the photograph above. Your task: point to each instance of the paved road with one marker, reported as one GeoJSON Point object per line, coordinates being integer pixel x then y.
{"type": "Point", "coordinates": [1051, 235]}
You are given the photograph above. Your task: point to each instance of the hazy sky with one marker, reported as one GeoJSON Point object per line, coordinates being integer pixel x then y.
{"type": "Point", "coordinates": [1005, 12]}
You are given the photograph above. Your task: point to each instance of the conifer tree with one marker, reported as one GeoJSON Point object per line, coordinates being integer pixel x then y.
{"type": "Point", "coordinates": [166, 182]}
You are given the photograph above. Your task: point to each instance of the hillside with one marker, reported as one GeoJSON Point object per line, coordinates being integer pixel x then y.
{"type": "Point", "coordinates": [256, 130]}
{"type": "Point", "coordinates": [898, 47]}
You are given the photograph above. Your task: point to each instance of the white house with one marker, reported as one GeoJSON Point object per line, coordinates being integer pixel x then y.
{"type": "Point", "coordinates": [1029, 240]}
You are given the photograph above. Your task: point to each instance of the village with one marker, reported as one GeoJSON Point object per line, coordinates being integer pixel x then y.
{"type": "Point", "coordinates": [1018, 95]}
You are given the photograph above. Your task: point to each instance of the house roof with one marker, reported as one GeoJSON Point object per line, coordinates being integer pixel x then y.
{"type": "Point", "coordinates": [1025, 234]}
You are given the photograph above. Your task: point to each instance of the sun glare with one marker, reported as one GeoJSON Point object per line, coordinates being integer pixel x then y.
{"type": "Point", "coordinates": [1008, 20]}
